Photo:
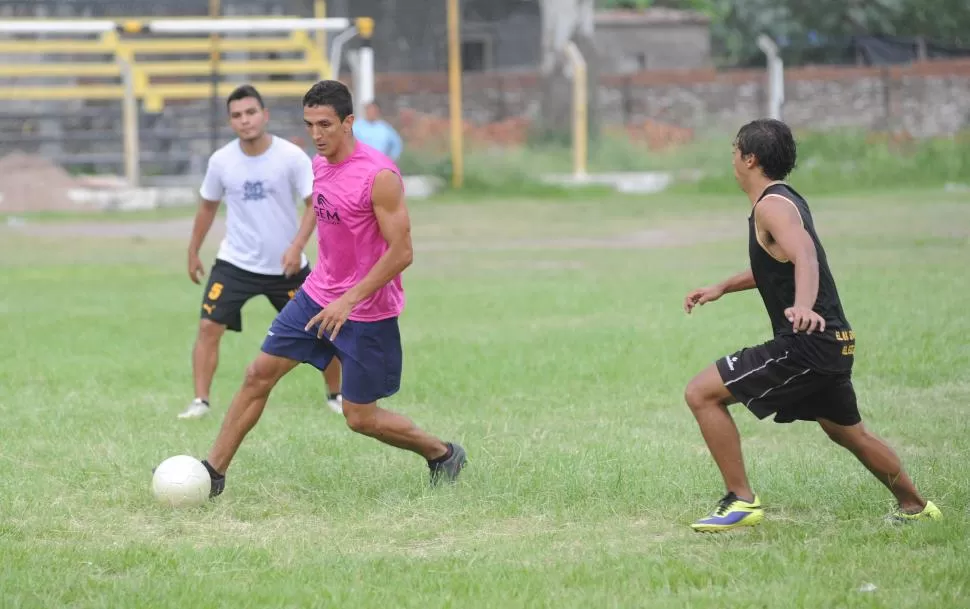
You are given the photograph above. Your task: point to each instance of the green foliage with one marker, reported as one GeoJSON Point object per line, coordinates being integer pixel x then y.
{"type": "Point", "coordinates": [847, 161]}
{"type": "Point", "coordinates": [614, 4]}
{"type": "Point", "coordinates": [818, 30]}
{"type": "Point", "coordinates": [828, 162]}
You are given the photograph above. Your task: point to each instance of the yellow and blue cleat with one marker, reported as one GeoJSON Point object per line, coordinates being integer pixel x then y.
{"type": "Point", "coordinates": [930, 512]}
{"type": "Point", "coordinates": [731, 513]}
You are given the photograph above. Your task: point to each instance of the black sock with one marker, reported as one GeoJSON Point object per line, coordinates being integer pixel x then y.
{"type": "Point", "coordinates": [444, 457]}
{"type": "Point", "coordinates": [206, 402]}
{"type": "Point", "coordinates": [212, 471]}
{"type": "Point", "coordinates": [333, 396]}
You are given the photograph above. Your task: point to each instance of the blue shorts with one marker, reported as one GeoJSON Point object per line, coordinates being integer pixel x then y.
{"type": "Point", "coordinates": [369, 351]}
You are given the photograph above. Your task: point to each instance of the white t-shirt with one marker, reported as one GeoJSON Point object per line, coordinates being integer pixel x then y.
{"type": "Point", "coordinates": [259, 191]}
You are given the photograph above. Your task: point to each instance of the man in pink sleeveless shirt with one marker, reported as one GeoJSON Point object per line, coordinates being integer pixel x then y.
{"type": "Point", "coordinates": [348, 307]}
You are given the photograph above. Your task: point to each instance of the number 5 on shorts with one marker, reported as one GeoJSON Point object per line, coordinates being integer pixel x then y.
{"type": "Point", "coordinates": [215, 291]}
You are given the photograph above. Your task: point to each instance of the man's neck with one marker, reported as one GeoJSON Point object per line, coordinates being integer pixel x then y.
{"type": "Point", "coordinates": [350, 144]}
{"type": "Point", "coordinates": [257, 146]}
{"type": "Point", "coordinates": [756, 189]}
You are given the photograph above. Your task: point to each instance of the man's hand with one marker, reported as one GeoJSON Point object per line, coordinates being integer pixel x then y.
{"type": "Point", "coordinates": [196, 270]}
{"type": "Point", "coordinates": [292, 261]}
{"type": "Point", "coordinates": [804, 320]}
{"type": "Point", "coordinates": [332, 317]}
{"type": "Point", "coordinates": [701, 296]}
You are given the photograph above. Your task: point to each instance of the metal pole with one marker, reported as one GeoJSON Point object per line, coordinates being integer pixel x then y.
{"type": "Point", "coordinates": [245, 26]}
{"type": "Point", "coordinates": [454, 94]}
{"type": "Point", "coordinates": [177, 26]}
{"type": "Point", "coordinates": [215, 55]}
{"type": "Point", "coordinates": [365, 64]}
{"type": "Point", "coordinates": [336, 51]}
{"type": "Point", "coordinates": [580, 110]}
{"type": "Point", "coordinates": [129, 110]}
{"type": "Point", "coordinates": [365, 75]}
{"type": "Point", "coordinates": [776, 76]}
{"type": "Point", "coordinates": [320, 36]}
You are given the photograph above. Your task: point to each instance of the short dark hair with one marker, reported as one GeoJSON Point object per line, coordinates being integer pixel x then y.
{"type": "Point", "coordinates": [243, 92]}
{"type": "Point", "coordinates": [772, 143]}
{"type": "Point", "coordinates": [331, 93]}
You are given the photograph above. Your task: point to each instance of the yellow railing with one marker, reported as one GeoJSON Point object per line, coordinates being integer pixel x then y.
{"type": "Point", "coordinates": [301, 73]}
{"type": "Point", "coordinates": [119, 62]}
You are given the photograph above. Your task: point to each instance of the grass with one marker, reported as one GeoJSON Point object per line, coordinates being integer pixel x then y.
{"type": "Point", "coordinates": [556, 357]}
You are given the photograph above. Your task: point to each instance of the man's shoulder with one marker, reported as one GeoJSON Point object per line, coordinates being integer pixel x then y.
{"type": "Point", "coordinates": [226, 151]}
{"type": "Point", "coordinates": [288, 148]}
{"type": "Point", "coordinates": [376, 160]}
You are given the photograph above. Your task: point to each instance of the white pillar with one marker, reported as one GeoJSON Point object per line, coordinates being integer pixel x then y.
{"type": "Point", "coordinates": [365, 76]}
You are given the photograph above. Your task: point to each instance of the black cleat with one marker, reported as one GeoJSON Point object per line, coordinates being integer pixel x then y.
{"type": "Point", "coordinates": [448, 469]}
{"type": "Point", "coordinates": [218, 481]}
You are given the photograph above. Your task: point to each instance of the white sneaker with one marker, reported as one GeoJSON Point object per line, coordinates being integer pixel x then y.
{"type": "Point", "coordinates": [337, 405]}
{"type": "Point", "coordinates": [196, 410]}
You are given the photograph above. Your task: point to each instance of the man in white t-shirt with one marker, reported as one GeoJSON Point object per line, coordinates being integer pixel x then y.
{"type": "Point", "coordinates": [257, 175]}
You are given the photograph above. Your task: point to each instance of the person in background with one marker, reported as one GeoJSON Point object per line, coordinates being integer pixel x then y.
{"type": "Point", "coordinates": [257, 175]}
{"type": "Point", "coordinates": [377, 133]}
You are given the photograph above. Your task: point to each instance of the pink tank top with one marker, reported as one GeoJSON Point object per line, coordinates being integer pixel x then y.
{"type": "Point", "coordinates": [348, 236]}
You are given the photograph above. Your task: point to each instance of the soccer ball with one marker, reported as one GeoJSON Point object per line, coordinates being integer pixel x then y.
{"type": "Point", "coordinates": [181, 481]}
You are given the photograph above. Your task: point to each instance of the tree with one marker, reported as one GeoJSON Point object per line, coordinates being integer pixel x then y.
{"type": "Point", "coordinates": [564, 21]}
{"type": "Point", "coordinates": [818, 30]}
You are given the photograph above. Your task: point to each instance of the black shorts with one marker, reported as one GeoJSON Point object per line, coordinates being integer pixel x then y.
{"type": "Point", "coordinates": [230, 287]}
{"type": "Point", "coordinates": [771, 379]}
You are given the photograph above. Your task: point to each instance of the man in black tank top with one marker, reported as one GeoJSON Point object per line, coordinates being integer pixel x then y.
{"type": "Point", "coordinates": [804, 371]}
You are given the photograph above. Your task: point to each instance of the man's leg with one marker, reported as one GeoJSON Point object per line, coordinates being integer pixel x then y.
{"type": "Point", "coordinates": [372, 363]}
{"type": "Point", "coordinates": [445, 459]}
{"type": "Point", "coordinates": [393, 429]}
{"type": "Point", "coordinates": [247, 406]}
{"type": "Point", "coordinates": [746, 376]}
{"type": "Point", "coordinates": [331, 375]}
{"type": "Point", "coordinates": [880, 459]}
{"type": "Point", "coordinates": [708, 399]}
{"type": "Point", "coordinates": [223, 298]}
{"type": "Point", "coordinates": [280, 292]}
{"type": "Point", "coordinates": [205, 357]}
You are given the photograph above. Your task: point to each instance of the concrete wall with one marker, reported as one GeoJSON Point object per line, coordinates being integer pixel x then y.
{"type": "Point", "coordinates": [630, 49]}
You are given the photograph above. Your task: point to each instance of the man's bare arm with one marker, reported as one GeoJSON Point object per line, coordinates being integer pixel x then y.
{"type": "Point", "coordinates": [782, 221]}
{"type": "Point", "coordinates": [203, 222]}
{"type": "Point", "coordinates": [738, 283]}
{"type": "Point", "coordinates": [395, 225]}
{"type": "Point", "coordinates": [200, 228]}
{"type": "Point", "coordinates": [307, 224]}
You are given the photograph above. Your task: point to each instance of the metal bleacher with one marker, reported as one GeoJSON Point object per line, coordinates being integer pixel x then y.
{"type": "Point", "coordinates": [61, 96]}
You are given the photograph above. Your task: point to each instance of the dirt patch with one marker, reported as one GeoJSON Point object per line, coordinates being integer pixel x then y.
{"type": "Point", "coordinates": [180, 228]}
{"type": "Point", "coordinates": [32, 183]}
{"type": "Point", "coordinates": [646, 239]}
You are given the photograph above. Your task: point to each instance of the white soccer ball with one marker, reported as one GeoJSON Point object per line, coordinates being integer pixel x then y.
{"type": "Point", "coordinates": [181, 481]}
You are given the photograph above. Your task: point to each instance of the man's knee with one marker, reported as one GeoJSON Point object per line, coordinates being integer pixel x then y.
{"type": "Point", "coordinates": [706, 390]}
{"type": "Point", "coordinates": [260, 377]}
{"type": "Point", "coordinates": [210, 331]}
{"type": "Point", "coordinates": [361, 418]}
{"type": "Point", "coordinates": [847, 436]}
{"type": "Point", "coordinates": [698, 396]}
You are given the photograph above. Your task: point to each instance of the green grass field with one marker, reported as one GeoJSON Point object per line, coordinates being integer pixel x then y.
{"type": "Point", "coordinates": [547, 337]}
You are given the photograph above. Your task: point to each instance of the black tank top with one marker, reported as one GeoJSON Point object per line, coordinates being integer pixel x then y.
{"type": "Point", "coordinates": [832, 350]}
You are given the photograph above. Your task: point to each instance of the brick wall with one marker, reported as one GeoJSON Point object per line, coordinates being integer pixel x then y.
{"type": "Point", "coordinates": [925, 99]}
